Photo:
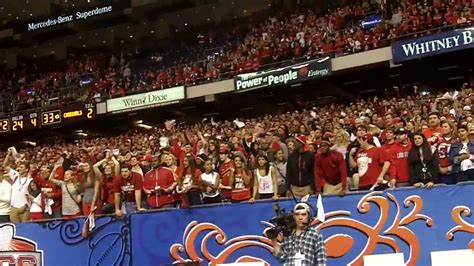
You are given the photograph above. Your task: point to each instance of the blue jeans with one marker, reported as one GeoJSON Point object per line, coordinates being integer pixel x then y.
{"type": "Point", "coordinates": [129, 207]}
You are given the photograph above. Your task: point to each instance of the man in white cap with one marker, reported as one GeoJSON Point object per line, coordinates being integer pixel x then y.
{"type": "Point", "coordinates": [305, 246]}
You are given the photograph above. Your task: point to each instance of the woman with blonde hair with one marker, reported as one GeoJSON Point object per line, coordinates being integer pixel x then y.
{"type": "Point", "coordinates": [71, 192]}
{"type": "Point", "coordinates": [341, 142]}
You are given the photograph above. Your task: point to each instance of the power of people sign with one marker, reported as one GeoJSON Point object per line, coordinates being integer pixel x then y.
{"type": "Point", "coordinates": [283, 76]}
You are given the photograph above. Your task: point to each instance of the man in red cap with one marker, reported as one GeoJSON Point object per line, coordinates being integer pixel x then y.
{"type": "Point", "coordinates": [372, 163]}
{"type": "Point", "coordinates": [399, 154]}
{"type": "Point", "coordinates": [330, 171]}
{"type": "Point", "coordinates": [300, 169]}
{"type": "Point", "coordinates": [226, 172]}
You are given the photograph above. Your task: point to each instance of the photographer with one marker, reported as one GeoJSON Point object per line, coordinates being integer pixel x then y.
{"type": "Point", "coordinates": [305, 246]}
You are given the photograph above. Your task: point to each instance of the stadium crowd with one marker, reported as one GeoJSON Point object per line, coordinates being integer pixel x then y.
{"type": "Point", "coordinates": [300, 35]}
{"type": "Point", "coordinates": [370, 144]}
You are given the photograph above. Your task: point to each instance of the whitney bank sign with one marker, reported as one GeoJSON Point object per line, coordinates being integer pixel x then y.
{"type": "Point", "coordinates": [146, 100]}
{"type": "Point", "coordinates": [434, 44]}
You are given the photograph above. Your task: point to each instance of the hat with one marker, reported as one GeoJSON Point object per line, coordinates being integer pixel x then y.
{"type": "Point", "coordinates": [369, 138]}
{"type": "Point", "coordinates": [401, 131]}
{"type": "Point", "coordinates": [301, 207]}
{"type": "Point", "coordinates": [301, 139]}
{"type": "Point", "coordinates": [223, 150]}
{"type": "Point", "coordinates": [148, 158]}
{"type": "Point", "coordinates": [467, 108]}
{"type": "Point", "coordinates": [202, 157]}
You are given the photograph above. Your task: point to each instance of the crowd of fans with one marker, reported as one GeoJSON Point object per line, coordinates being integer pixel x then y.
{"type": "Point", "coordinates": [371, 144]}
{"type": "Point", "coordinates": [301, 35]}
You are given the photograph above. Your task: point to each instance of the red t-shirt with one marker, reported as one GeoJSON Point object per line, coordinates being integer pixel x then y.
{"type": "Point", "coordinates": [432, 135]}
{"type": "Point", "coordinates": [241, 191]}
{"type": "Point", "coordinates": [399, 154]}
{"type": "Point", "coordinates": [107, 190]}
{"type": "Point", "coordinates": [128, 186]}
{"type": "Point", "coordinates": [370, 164]}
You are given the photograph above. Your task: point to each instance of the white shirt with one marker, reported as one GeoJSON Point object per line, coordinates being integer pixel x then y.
{"type": "Point", "coordinates": [265, 183]}
{"type": "Point", "coordinates": [19, 189]}
{"type": "Point", "coordinates": [5, 197]}
{"type": "Point", "coordinates": [210, 178]}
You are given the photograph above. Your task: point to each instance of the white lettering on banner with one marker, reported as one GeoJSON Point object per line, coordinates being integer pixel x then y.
{"type": "Point", "coordinates": [416, 48]}
{"type": "Point", "coordinates": [69, 18]}
{"type": "Point", "coordinates": [291, 75]}
{"type": "Point", "coordinates": [243, 84]}
{"type": "Point", "coordinates": [146, 100]}
{"type": "Point", "coordinates": [318, 73]}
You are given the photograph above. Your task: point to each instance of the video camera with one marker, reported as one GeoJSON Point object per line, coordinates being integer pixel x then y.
{"type": "Point", "coordinates": [283, 223]}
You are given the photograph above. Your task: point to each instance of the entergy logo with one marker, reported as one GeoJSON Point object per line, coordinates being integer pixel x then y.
{"type": "Point", "coordinates": [19, 251]}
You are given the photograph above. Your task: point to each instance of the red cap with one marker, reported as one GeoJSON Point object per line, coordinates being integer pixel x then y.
{"type": "Point", "coordinates": [224, 150]}
{"type": "Point", "coordinates": [148, 158]}
{"type": "Point", "coordinates": [369, 138]}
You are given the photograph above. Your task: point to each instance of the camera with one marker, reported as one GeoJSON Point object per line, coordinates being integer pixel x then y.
{"type": "Point", "coordinates": [283, 223]}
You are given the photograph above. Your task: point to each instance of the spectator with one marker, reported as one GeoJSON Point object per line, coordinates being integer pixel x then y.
{"type": "Point", "coordinates": [226, 173]}
{"type": "Point", "coordinates": [210, 181]}
{"type": "Point", "coordinates": [127, 189]}
{"type": "Point", "coordinates": [242, 180]}
{"type": "Point", "coordinates": [71, 192]}
{"type": "Point", "coordinates": [443, 147]}
{"type": "Point", "coordinates": [461, 155]}
{"type": "Point", "coordinates": [37, 202]}
{"type": "Point", "coordinates": [5, 198]}
{"type": "Point", "coordinates": [423, 163]}
{"type": "Point", "coordinates": [434, 132]}
{"type": "Point", "coordinates": [399, 154]}
{"type": "Point", "coordinates": [266, 181]}
{"type": "Point", "coordinates": [280, 167]}
{"type": "Point", "coordinates": [300, 169]}
{"type": "Point", "coordinates": [91, 186]}
{"type": "Point", "coordinates": [20, 181]}
{"type": "Point", "coordinates": [330, 171]}
{"type": "Point", "coordinates": [189, 184]}
{"type": "Point", "coordinates": [341, 142]}
{"type": "Point", "coordinates": [106, 180]}
{"type": "Point", "coordinates": [372, 164]}
{"type": "Point", "coordinates": [158, 186]}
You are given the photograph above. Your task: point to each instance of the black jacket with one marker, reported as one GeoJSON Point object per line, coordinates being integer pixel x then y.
{"type": "Point", "coordinates": [415, 170]}
{"type": "Point", "coordinates": [300, 169]}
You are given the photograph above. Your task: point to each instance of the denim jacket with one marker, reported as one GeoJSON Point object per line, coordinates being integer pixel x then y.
{"type": "Point", "coordinates": [454, 154]}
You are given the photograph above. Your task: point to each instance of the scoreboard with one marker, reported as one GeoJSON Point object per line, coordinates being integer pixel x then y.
{"type": "Point", "coordinates": [33, 120]}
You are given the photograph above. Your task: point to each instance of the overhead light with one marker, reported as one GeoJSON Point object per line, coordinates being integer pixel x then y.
{"type": "Point", "coordinates": [139, 122]}
{"type": "Point", "coordinates": [131, 36]}
{"type": "Point", "coordinates": [32, 143]}
{"type": "Point", "coordinates": [82, 134]}
{"type": "Point", "coordinates": [79, 131]}
{"type": "Point", "coordinates": [144, 126]}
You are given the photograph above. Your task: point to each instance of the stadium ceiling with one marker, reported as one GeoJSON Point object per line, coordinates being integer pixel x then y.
{"type": "Point", "coordinates": [129, 21]}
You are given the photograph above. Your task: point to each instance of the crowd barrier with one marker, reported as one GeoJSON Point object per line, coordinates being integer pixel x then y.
{"type": "Point", "coordinates": [411, 221]}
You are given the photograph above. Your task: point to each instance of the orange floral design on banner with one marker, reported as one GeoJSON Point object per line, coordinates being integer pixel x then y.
{"type": "Point", "coordinates": [462, 226]}
{"type": "Point", "coordinates": [337, 245]}
{"type": "Point", "coordinates": [194, 229]}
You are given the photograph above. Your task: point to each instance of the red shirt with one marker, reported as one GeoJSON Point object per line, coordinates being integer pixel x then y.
{"type": "Point", "coordinates": [128, 186]}
{"type": "Point", "coordinates": [432, 135]}
{"type": "Point", "coordinates": [241, 191]}
{"type": "Point", "coordinates": [370, 164]}
{"type": "Point", "coordinates": [330, 168]}
{"type": "Point", "coordinates": [443, 147]}
{"type": "Point", "coordinates": [399, 155]}
{"type": "Point", "coordinates": [164, 178]}
{"type": "Point", "coordinates": [225, 172]}
{"type": "Point", "coordinates": [47, 186]}
{"type": "Point", "coordinates": [107, 190]}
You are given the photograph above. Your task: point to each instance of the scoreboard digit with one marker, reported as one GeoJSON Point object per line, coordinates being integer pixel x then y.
{"type": "Point", "coordinates": [4, 125]}
{"type": "Point", "coordinates": [51, 117]}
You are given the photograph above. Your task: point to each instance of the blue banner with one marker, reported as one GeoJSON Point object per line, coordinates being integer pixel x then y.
{"type": "Point", "coordinates": [434, 44]}
{"type": "Point", "coordinates": [414, 222]}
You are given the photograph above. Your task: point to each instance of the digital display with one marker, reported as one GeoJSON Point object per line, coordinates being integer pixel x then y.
{"type": "Point", "coordinates": [51, 117]}
{"type": "Point", "coordinates": [34, 120]}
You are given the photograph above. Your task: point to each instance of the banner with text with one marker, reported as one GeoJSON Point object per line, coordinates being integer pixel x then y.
{"type": "Point", "coordinates": [434, 44]}
{"type": "Point", "coordinates": [146, 100]}
{"type": "Point", "coordinates": [414, 222]}
{"type": "Point", "coordinates": [282, 76]}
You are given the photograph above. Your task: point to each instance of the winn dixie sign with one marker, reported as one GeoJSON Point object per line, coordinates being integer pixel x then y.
{"type": "Point", "coordinates": [146, 100]}
{"type": "Point", "coordinates": [434, 44]}
{"type": "Point", "coordinates": [282, 76]}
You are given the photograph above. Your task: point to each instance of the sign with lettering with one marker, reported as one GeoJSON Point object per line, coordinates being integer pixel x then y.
{"type": "Point", "coordinates": [283, 76]}
{"type": "Point", "coordinates": [146, 100]}
{"type": "Point", "coordinates": [69, 18]}
{"type": "Point", "coordinates": [434, 44]}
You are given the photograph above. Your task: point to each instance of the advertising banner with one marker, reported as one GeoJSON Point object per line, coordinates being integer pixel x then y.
{"type": "Point", "coordinates": [414, 222]}
{"type": "Point", "coordinates": [282, 76]}
{"type": "Point", "coordinates": [146, 100]}
{"type": "Point", "coordinates": [434, 44]}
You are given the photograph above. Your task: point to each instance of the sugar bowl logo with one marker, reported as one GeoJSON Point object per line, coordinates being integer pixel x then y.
{"type": "Point", "coordinates": [18, 251]}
